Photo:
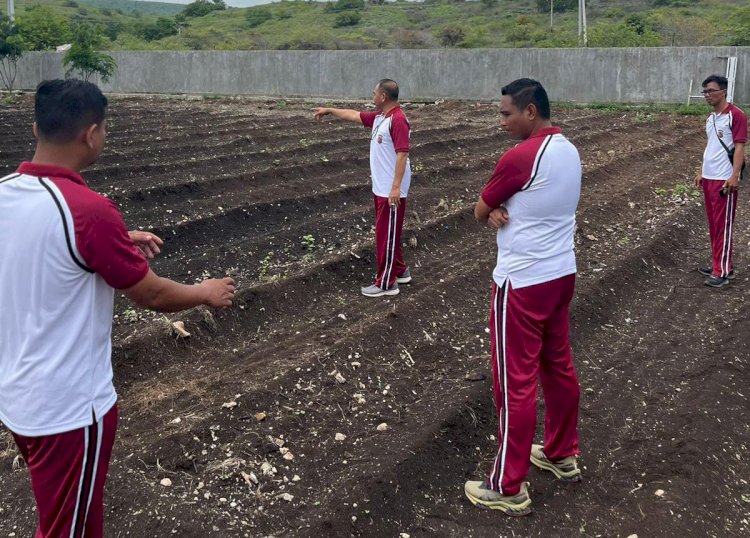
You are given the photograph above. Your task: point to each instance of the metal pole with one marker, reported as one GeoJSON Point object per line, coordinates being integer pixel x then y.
{"type": "Point", "coordinates": [551, 5]}
{"type": "Point", "coordinates": [580, 22]}
{"type": "Point", "coordinates": [11, 11]}
{"type": "Point", "coordinates": [585, 33]}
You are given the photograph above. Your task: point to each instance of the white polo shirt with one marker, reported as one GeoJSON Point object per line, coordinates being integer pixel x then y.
{"type": "Point", "coordinates": [63, 248]}
{"type": "Point", "coordinates": [539, 183]}
{"type": "Point", "coordinates": [389, 136]}
{"type": "Point", "coordinates": [731, 126]}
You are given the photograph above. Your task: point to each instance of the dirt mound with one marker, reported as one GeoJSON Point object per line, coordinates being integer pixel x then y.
{"type": "Point", "coordinates": [267, 420]}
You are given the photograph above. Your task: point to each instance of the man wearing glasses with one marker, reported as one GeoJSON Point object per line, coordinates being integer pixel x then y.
{"type": "Point", "coordinates": [391, 176]}
{"type": "Point", "coordinates": [723, 164]}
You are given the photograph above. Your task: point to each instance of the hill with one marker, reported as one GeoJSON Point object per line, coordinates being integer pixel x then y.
{"type": "Point", "coordinates": [356, 24]}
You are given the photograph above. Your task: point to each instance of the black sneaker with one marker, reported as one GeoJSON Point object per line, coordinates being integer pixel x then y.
{"type": "Point", "coordinates": [716, 281]}
{"type": "Point", "coordinates": [708, 271]}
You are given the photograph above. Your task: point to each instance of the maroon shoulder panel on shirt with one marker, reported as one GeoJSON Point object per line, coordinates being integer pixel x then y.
{"type": "Point", "coordinates": [400, 131]}
{"type": "Point", "coordinates": [368, 118]}
{"type": "Point", "coordinates": [739, 125]}
{"type": "Point", "coordinates": [514, 170]}
{"type": "Point", "coordinates": [102, 237]}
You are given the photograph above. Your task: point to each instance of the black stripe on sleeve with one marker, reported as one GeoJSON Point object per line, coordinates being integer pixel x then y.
{"type": "Point", "coordinates": [538, 163]}
{"type": "Point", "coordinates": [78, 262]}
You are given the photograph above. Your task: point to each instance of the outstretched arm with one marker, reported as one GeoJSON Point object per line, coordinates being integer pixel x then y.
{"type": "Point", "coordinates": [164, 295]}
{"type": "Point", "coordinates": [340, 113]}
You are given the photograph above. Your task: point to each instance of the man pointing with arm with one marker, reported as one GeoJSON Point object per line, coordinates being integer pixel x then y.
{"type": "Point", "coordinates": [391, 177]}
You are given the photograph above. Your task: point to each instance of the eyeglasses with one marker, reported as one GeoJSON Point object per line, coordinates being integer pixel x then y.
{"type": "Point", "coordinates": [710, 91]}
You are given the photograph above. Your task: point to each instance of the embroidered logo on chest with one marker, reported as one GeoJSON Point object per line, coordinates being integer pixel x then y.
{"type": "Point", "coordinates": [380, 139]}
{"type": "Point", "coordinates": [721, 133]}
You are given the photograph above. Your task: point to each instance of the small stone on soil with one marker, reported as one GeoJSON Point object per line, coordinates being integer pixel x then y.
{"type": "Point", "coordinates": [475, 376]}
{"type": "Point", "coordinates": [179, 328]}
{"type": "Point", "coordinates": [382, 427]}
{"type": "Point", "coordinates": [166, 482]}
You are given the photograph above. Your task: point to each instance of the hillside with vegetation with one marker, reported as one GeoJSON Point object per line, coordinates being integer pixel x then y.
{"type": "Point", "coordinates": [359, 24]}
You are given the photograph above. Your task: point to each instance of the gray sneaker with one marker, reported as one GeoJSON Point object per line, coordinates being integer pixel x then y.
{"type": "Point", "coordinates": [405, 278]}
{"type": "Point", "coordinates": [513, 505]}
{"type": "Point", "coordinates": [716, 281]}
{"type": "Point", "coordinates": [377, 291]}
{"type": "Point", "coordinates": [566, 469]}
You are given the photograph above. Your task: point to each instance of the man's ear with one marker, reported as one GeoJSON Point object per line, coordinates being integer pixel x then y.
{"type": "Point", "coordinates": [88, 135]}
{"type": "Point", "coordinates": [531, 112]}
{"type": "Point", "coordinates": [35, 131]}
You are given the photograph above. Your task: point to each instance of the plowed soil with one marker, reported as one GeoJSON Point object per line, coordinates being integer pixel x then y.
{"type": "Point", "coordinates": [259, 191]}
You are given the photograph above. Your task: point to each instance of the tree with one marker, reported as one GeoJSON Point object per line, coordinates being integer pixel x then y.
{"type": "Point", "coordinates": [450, 36]}
{"type": "Point", "coordinates": [41, 29]}
{"type": "Point", "coordinates": [160, 28]}
{"type": "Point", "coordinates": [523, 31]}
{"type": "Point", "coordinates": [11, 50]}
{"type": "Point", "coordinates": [200, 8]}
{"type": "Point", "coordinates": [83, 56]}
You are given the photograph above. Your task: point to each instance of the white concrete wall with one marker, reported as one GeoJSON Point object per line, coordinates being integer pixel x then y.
{"type": "Point", "coordinates": [573, 75]}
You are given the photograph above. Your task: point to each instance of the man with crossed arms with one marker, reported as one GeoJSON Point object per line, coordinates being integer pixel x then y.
{"type": "Point", "coordinates": [531, 199]}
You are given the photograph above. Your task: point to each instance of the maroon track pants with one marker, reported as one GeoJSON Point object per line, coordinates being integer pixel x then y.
{"type": "Point", "coordinates": [389, 222]}
{"type": "Point", "coordinates": [529, 331]}
{"type": "Point", "coordinates": [720, 211]}
{"type": "Point", "coordinates": [68, 471]}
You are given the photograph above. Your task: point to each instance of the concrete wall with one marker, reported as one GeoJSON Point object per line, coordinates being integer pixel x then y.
{"type": "Point", "coordinates": [571, 75]}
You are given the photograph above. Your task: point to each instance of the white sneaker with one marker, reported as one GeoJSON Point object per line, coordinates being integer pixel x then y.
{"type": "Point", "coordinates": [377, 291]}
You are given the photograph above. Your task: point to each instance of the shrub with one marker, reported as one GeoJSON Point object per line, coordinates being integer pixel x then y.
{"type": "Point", "coordinates": [347, 18]}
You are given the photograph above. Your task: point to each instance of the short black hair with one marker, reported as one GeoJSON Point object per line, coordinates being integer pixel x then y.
{"type": "Point", "coordinates": [722, 82]}
{"type": "Point", "coordinates": [63, 108]}
{"type": "Point", "coordinates": [390, 88]}
{"type": "Point", "coordinates": [526, 91]}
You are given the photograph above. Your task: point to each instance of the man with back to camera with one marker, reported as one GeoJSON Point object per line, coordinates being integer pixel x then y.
{"type": "Point", "coordinates": [64, 249]}
{"type": "Point", "coordinates": [531, 200]}
{"type": "Point", "coordinates": [723, 164]}
{"type": "Point", "coordinates": [391, 177]}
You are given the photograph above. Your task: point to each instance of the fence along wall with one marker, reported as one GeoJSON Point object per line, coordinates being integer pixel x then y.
{"type": "Point", "coordinates": [633, 75]}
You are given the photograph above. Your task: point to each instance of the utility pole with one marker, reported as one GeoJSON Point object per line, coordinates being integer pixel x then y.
{"type": "Point", "coordinates": [582, 33]}
{"type": "Point", "coordinates": [551, 7]}
{"type": "Point", "coordinates": [11, 11]}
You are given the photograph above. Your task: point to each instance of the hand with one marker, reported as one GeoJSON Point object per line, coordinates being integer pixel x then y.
{"type": "Point", "coordinates": [697, 181]}
{"type": "Point", "coordinates": [320, 112]}
{"type": "Point", "coordinates": [219, 292]}
{"type": "Point", "coordinates": [498, 218]}
{"type": "Point", "coordinates": [147, 243]}
{"type": "Point", "coordinates": [394, 198]}
{"type": "Point", "coordinates": [731, 184]}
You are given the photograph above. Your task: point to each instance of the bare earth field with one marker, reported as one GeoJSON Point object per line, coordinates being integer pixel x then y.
{"type": "Point", "coordinates": [242, 416]}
